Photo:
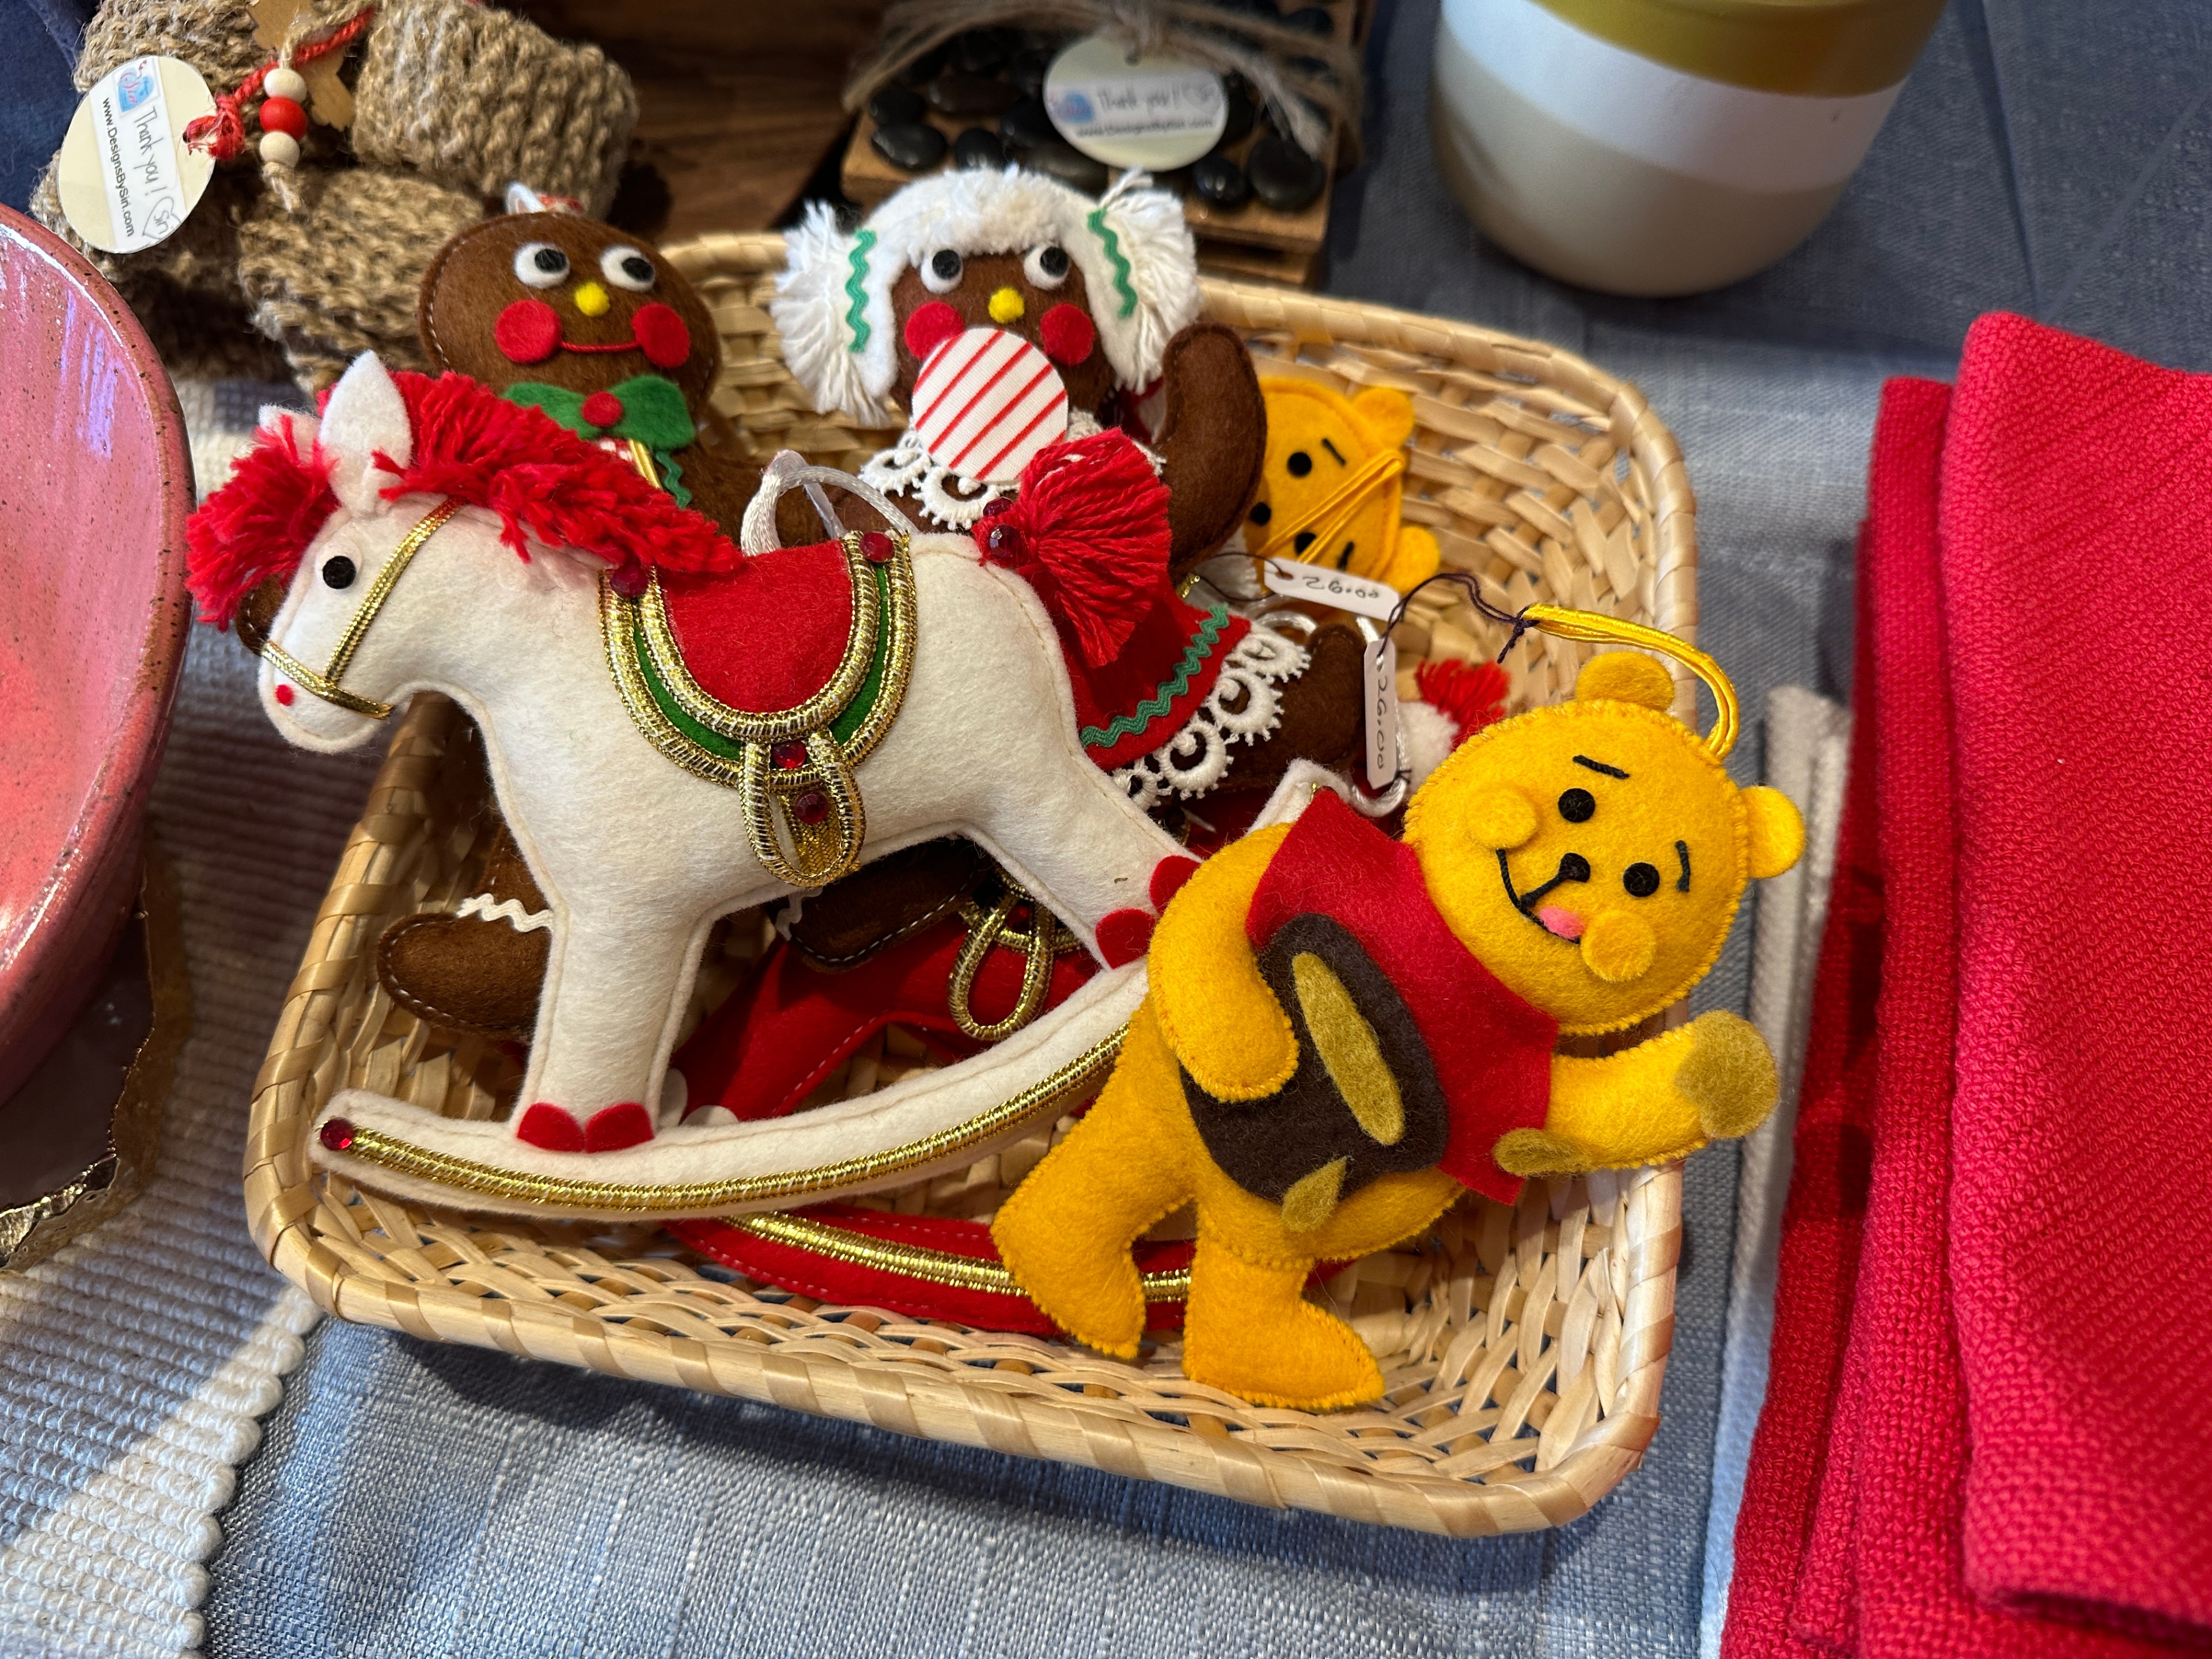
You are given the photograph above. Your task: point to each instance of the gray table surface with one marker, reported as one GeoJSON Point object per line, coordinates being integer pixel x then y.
{"type": "Point", "coordinates": [2047, 157]}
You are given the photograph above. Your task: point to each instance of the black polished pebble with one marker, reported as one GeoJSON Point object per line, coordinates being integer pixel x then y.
{"type": "Point", "coordinates": [956, 93]}
{"type": "Point", "coordinates": [1069, 165]}
{"type": "Point", "coordinates": [1267, 8]}
{"type": "Point", "coordinates": [1310, 19]}
{"type": "Point", "coordinates": [924, 68]}
{"type": "Point", "coordinates": [1284, 176]}
{"type": "Point", "coordinates": [912, 145]}
{"type": "Point", "coordinates": [1025, 126]}
{"type": "Point", "coordinates": [979, 51]}
{"type": "Point", "coordinates": [1028, 71]}
{"type": "Point", "coordinates": [978, 147]}
{"type": "Point", "coordinates": [1220, 183]}
{"type": "Point", "coordinates": [1242, 115]}
{"type": "Point", "coordinates": [894, 106]}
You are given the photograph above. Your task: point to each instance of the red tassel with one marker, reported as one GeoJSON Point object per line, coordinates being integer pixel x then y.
{"type": "Point", "coordinates": [1089, 531]}
{"type": "Point", "coordinates": [255, 526]}
{"type": "Point", "coordinates": [1472, 693]}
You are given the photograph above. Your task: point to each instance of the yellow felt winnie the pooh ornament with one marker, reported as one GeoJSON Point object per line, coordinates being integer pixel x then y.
{"type": "Point", "coordinates": [1344, 1030]}
{"type": "Point", "coordinates": [1332, 483]}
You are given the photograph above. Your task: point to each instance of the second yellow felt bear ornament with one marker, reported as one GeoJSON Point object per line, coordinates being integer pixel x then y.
{"type": "Point", "coordinates": [1332, 484]}
{"type": "Point", "coordinates": [1344, 1032]}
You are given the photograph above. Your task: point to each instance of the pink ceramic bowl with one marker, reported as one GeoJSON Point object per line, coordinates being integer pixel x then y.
{"type": "Point", "coordinates": [95, 482]}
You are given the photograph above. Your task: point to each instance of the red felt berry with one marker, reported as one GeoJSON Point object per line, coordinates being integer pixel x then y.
{"type": "Point", "coordinates": [811, 807]}
{"type": "Point", "coordinates": [666, 340]}
{"type": "Point", "coordinates": [336, 1135]}
{"type": "Point", "coordinates": [1125, 935]}
{"type": "Point", "coordinates": [1168, 877]}
{"type": "Point", "coordinates": [551, 1128]}
{"type": "Point", "coordinates": [788, 755]}
{"type": "Point", "coordinates": [876, 548]}
{"type": "Point", "coordinates": [283, 115]}
{"type": "Point", "coordinates": [613, 1127]}
{"type": "Point", "coordinates": [527, 331]}
{"type": "Point", "coordinates": [602, 409]}
{"type": "Point", "coordinates": [931, 328]}
{"type": "Point", "coordinates": [1068, 334]}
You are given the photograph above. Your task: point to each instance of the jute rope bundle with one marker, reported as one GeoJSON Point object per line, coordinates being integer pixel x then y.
{"type": "Point", "coordinates": [1523, 1348]}
{"type": "Point", "coordinates": [321, 260]}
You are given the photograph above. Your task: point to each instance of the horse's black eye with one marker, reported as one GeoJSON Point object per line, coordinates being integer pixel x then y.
{"type": "Point", "coordinates": [1299, 463]}
{"type": "Point", "coordinates": [1576, 805]}
{"type": "Point", "coordinates": [338, 571]}
{"type": "Point", "coordinates": [1642, 880]}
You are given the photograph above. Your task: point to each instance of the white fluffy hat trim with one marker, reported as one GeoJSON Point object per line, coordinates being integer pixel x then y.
{"type": "Point", "coordinates": [833, 304]}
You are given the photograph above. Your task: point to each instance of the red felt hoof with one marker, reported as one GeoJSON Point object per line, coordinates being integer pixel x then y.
{"type": "Point", "coordinates": [551, 1129]}
{"type": "Point", "coordinates": [661, 332]}
{"type": "Point", "coordinates": [1168, 877]}
{"type": "Point", "coordinates": [614, 1127]}
{"type": "Point", "coordinates": [527, 331]}
{"type": "Point", "coordinates": [1124, 935]}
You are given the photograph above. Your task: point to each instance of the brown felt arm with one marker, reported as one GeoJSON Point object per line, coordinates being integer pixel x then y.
{"type": "Point", "coordinates": [1220, 1018]}
{"type": "Point", "coordinates": [1212, 437]}
{"type": "Point", "coordinates": [1650, 1103]}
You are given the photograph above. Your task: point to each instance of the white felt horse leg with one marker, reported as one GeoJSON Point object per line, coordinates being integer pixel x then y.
{"type": "Point", "coordinates": [613, 990]}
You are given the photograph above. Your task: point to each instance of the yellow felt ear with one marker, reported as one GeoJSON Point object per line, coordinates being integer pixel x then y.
{"type": "Point", "coordinates": [1626, 677]}
{"type": "Point", "coordinates": [1499, 816]}
{"type": "Point", "coordinates": [1777, 833]}
{"type": "Point", "coordinates": [1388, 415]}
{"type": "Point", "coordinates": [1618, 947]}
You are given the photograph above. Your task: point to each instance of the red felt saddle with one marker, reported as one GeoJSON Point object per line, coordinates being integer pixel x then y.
{"type": "Point", "coordinates": [768, 633]}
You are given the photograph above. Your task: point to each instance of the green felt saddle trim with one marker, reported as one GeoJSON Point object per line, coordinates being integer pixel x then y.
{"type": "Point", "coordinates": [842, 728]}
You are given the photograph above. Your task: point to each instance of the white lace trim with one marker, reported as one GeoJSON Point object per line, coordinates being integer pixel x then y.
{"type": "Point", "coordinates": [510, 911]}
{"type": "Point", "coordinates": [906, 469]}
{"type": "Point", "coordinates": [1243, 706]}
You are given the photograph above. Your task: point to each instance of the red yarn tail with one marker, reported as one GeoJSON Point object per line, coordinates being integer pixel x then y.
{"type": "Point", "coordinates": [1472, 693]}
{"type": "Point", "coordinates": [1090, 531]}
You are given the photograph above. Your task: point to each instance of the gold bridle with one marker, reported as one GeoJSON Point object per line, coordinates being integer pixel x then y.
{"type": "Point", "coordinates": [326, 684]}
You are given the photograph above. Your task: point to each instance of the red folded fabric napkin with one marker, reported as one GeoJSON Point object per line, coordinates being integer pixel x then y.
{"type": "Point", "coordinates": [2004, 1455]}
{"type": "Point", "coordinates": [2077, 575]}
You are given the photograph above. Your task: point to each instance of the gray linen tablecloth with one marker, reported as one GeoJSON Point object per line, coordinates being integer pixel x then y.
{"type": "Point", "coordinates": [410, 1499]}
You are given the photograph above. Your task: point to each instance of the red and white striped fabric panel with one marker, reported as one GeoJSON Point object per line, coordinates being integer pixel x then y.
{"type": "Point", "coordinates": [986, 402]}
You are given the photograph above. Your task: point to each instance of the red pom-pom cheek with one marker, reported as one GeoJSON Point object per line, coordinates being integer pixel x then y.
{"type": "Point", "coordinates": [931, 328]}
{"type": "Point", "coordinates": [661, 332]}
{"type": "Point", "coordinates": [1067, 335]}
{"type": "Point", "coordinates": [528, 332]}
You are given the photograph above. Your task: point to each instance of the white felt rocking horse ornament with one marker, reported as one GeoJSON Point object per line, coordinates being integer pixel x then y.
{"type": "Point", "coordinates": [647, 804]}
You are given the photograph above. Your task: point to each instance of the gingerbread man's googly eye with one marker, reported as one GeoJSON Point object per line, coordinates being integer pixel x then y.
{"type": "Point", "coordinates": [628, 267]}
{"type": "Point", "coordinates": [940, 271]}
{"type": "Point", "coordinates": [1046, 266]}
{"type": "Point", "coordinates": [540, 265]}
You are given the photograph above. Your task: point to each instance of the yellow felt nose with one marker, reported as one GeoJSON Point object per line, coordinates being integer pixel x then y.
{"type": "Point", "coordinates": [591, 300]}
{"type": "Point", "coordinates": [1007, 306]}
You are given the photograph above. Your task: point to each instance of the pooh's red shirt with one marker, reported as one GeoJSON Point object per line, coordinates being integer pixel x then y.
{"type": "Point", "coordinates": [1492, 1050]}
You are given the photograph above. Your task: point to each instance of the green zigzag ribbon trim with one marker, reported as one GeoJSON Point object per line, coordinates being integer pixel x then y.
{"type": "Point", "coordinates": [1194, 656]}
{"type": "Point", "coordinates": [856, 315]}
{"type": "Point", "coordinates": [671, 475]}
{"type": "Point", "coordinates": [1105, 234]}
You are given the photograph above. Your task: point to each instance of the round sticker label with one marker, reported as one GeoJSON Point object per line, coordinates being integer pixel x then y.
{"type": "Point", "coordinates": [986, 403]}
{"type": "Point", "coordinates": [126, 179]}
{"type": "Point", "coordinates": [1151, 111]}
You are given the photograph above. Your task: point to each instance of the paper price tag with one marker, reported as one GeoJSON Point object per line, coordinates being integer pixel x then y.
{"type": "Point", "coordinates": [1317, 582]}
{"type": "Point", "coordinates": [1380, 719]}
{"type": "Point", "coordinates": [1152, 112]}
{"type": "Point", "coordinates": [125, 180]}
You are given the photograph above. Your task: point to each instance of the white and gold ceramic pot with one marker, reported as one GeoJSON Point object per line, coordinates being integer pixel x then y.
{"type": "Point", "coordinates": [1655, 147]}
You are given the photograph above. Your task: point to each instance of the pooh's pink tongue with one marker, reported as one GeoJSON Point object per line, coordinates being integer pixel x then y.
{"type": "Point", "coordinates": [1565, 923]}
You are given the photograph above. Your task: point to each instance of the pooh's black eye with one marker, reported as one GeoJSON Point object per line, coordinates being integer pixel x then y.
{"type": "Point", "coordinates": [1577, 805]}
{"type": "Point", "coordinates": [1642, 880]}
{"type": "Point", "coordinates": [1299, 463]}
{"type": "Point", "coordinates": [338, 571]}
{"type": "Point", "coordinates": [1262, 512]}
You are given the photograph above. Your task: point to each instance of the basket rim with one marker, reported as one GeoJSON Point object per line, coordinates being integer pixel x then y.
{"type": "Point", "coordinates": [978, 1406]}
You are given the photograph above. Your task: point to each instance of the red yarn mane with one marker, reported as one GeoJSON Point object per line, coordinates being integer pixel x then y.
{"type": "Point", "coordinates": [471, 445]}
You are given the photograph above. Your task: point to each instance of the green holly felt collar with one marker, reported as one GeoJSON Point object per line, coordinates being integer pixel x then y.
{"type": "Point", "coordinates": [652, 411]}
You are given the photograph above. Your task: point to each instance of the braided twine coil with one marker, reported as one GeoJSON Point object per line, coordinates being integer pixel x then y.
{"type": "Point", "coordinates": [1523, 1348]}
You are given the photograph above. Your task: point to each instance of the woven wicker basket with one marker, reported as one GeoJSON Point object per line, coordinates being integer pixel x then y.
{"type": "Point", "coordinates": [1523, 1348]}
